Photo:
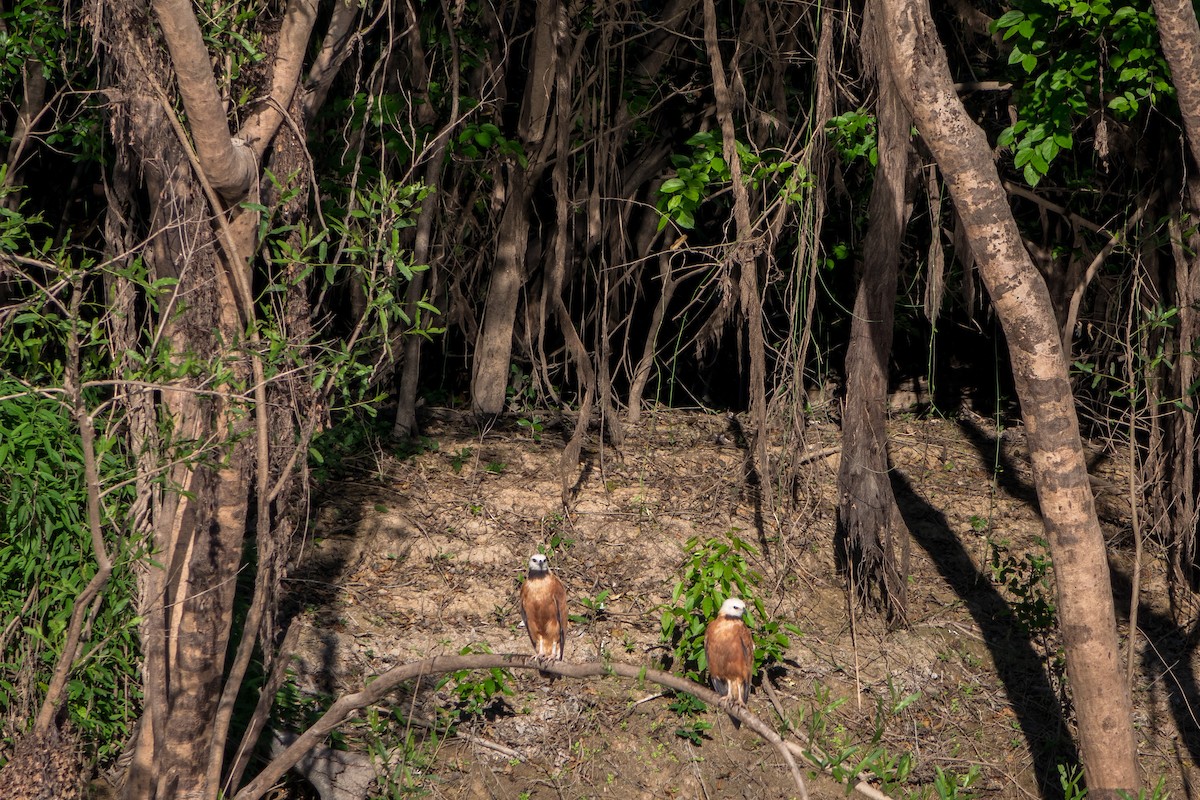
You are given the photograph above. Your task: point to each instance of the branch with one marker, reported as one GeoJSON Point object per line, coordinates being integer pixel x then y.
{"type": "Point", "coordinates": [91, 476]}
{"type": "Point", "coordinates": [333, 53]}
{"type": "Point", "coordinates": [381, 686]}
{"type": "Point", "coordinates": [259, 129]}
{"type": "Point", "coordinates": [1068, 329]}
{"type": "Point", "coordinates": [229, 168]}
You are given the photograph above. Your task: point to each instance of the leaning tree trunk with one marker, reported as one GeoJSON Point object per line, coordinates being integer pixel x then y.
{"type": "Point", "coordinates": [1018, 292]}
{"type": "Point", "coordinates": [868, 521]}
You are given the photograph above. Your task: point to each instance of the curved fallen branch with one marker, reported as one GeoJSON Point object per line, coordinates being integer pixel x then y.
{"type": "Point", "coordinates": [388, 681]}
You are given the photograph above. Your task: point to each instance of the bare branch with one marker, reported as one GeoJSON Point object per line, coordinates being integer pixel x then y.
{"type": "Point", "coordinates": [91, 475]}
{"type": "Point", "coordinates": [375, 690]}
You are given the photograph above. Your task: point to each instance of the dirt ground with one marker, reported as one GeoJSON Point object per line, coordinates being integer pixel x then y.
{"type": "Point", "coordinates": [422, 555]}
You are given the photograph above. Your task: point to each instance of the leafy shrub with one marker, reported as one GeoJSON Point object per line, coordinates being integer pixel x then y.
{"type": "Point", "coordinates": [716, 570]}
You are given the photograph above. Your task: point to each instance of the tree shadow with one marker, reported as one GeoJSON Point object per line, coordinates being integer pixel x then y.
{"type": "Point", "coordinates": [1167, 667]}
{"type": "Point", "coordinates": [1167, 662]}
{"type": "Point", "coordinates": [1021, 669]}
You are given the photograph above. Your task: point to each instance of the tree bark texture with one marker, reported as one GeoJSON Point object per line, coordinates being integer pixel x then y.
{"type": "Point", "coordinates": [1180, 36]}
{"type": "Point", "coordinates": [199, 430]}
{"type": "Point", "coordinates": [493, 346]}
{"type": "Point", "coordinates": [1019, 296]}
{"type": "Point", "coordinates": [869, 521]}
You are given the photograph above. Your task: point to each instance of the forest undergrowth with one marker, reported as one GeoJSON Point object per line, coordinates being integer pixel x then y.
{"type": "Point", "coordinates": [420, 551]}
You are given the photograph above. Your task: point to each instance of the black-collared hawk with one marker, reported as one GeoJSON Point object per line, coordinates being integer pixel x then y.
{"type": "Point", "coordinates": [544, 609]}
{"type": "Point", "coordinates": [729, 649]}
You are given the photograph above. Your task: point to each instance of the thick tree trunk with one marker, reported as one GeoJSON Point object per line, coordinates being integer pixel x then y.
{"type": "Point", "coordinates": [493, 347]}
{"type": "Point", "coordinates": [197, 513]}
{"type": "Point", "coordinates": [1019, 296]}
{"type": "Point", "coordinates": [869, 521]}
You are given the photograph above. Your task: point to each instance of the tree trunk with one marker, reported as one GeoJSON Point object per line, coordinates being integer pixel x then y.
{"type": "Point", "coordinates": [493, 347]}
{"type": "Point", "coordinates": [1179, 33]}
{"type": "Point", "coordinates": [1018, 292]}
{"type": "Point", "coordinates": [1180, 36]}
{"type": "Point", "coordinates": [869, 521]}
{"type": "Point", "coordinates": [196, 517]}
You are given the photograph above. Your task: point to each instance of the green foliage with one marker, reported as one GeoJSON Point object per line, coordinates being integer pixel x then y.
{"type": "Point", "coordinates": [232, 30]}
{"type": "Point", "coordinates": [950, 785]}
{"type": "Point", "coordinates": [853, 135]}
{"type": "Point", "coordinates": [1066, 54]}
{"type": "Point", "coordinates": [704, 171]}
{"type": "Point", "coordinates": [476, 140]}
{"type": "Point", "coordinates": [1027, 581]}
{"type": "Point", "coordinates": [403, 758]}
{"type": "Point", "coordinates": [715, 571]}
{"type": "Point", "coordinates": [596, 607]}
{"type": "Point", "coordinates": [45, 562]}
{"type": "Point", "coordinates": [1071, 781]}
{"type": "Point", "coordinates": [32, 32]}
{"type": "Point", "coordinates": [46, 556]}
{"type": "Point", "coordinates": [687, 706]}
{"type": "Point", "coordinates": [476, 695]}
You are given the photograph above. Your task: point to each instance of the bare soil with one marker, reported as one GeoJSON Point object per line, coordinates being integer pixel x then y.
{"type": "Point", "coordinates": [422, 555]}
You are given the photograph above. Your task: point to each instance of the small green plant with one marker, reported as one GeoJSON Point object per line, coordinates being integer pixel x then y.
{"type": "Point", "coordinates": [521, 394]}
{"type": "Point", "coordinates": [475, 695]}
{"type": "Point", "coordinates": [716, 570]}
{"type": "Point", "coordinates": [853, 135]}
{"type": "Point", "coordinates": [1027, 580]}
{"type": "Point", "coordinates": [1071, 780]}
{"type": "Point", "coordinates": [595, 608]}
{"type": "Point", "coordinates": [690, 708]}
{"type": "Point", "coordinates": [459, 459]}
{"type": "Point", "coordinates": [1159, 792]}
{"type": "Point", "coordinates": [534, 425]}
{"type": "Point", "coordinates": [979, 524]}
{"type": "Point", "coordinates": [558, 541]}
{"type": "Point", "coordinates": [496, 467]}
{"type": "Point", "coordinates": [951, 785]}
{"type": "Point", "coordinates": [403, 758]}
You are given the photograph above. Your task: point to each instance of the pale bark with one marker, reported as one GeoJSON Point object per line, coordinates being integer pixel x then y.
{"type": "Point", "coordinates": [493, 346]}
{"type": "Point", "coordinates": [228, 165]}
{"type": "Point", "coordinates": [1022, 302]}
{"type": "Point", "coordinates": [1179, 33]}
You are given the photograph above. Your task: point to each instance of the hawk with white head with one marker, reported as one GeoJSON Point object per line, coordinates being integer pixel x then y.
{"type": "Point", "coordinates": [729, 649]}
{"type": "Point", "coordinates": [544, 610]}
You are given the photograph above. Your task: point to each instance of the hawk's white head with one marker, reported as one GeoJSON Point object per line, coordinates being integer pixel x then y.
{"type": "Point", "coordinates": [538, 563]}
{"type": "Point", "coordinates": [733, 607]}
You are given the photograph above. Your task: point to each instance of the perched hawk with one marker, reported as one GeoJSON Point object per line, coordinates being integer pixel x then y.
{"type": "Point", "coordinates": [730, 653]}
{"type": "Point", "coordinates": [544, 609]}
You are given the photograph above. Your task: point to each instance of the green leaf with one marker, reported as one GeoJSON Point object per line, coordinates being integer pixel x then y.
{"type": "Point", "coordinates": [1008, 20]}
